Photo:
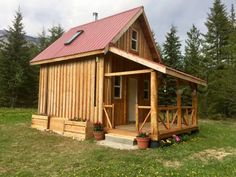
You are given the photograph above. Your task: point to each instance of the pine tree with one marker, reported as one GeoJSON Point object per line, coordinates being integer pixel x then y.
{"type": "Point", "coordinates": [172, 57]}
{"type": "Point", "coordinates": [43, 41]}
{"type": "Point", "coordinates": [232, 37]}
{"type": "Point", "coordinates": [193, 57]}
{"type": "Point", "coordinates": [55, 33]}
{"type": "Point", "coordinates": [16, 76]}
{"type": "Point", "coordinates": [171, 50]}
{"type": "Point", "coordinates": [216, 38]}
{"type": "Point", "coordinates": [218, 61]}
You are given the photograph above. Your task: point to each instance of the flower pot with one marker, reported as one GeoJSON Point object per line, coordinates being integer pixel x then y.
{"type": "Point", "coordinates": [143, 142]}
{"type": "Point", "coordinates": [99, 135]}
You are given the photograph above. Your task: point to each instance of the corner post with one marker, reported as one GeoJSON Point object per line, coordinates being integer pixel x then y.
{"type": "Point", "coordinates": [154, 106]}
{"type": "Point", "coordinates": [178, 93]}
{"type": "Point", "coordinates": [100, 88]}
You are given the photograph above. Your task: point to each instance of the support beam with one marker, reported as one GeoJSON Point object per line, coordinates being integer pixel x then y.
{"type": "Point", "coordinates": [123, 73]}
{"type": "Point", "coordinates": [154, 106]}
{"type": "Point", "coordinates": [178, 93]}
{"type": "Point", "coordinates": [136, 117]}
{"type": "Point", "coordinates": [100, 88]}
{"type": "Point", "coordinates": [194, 104]}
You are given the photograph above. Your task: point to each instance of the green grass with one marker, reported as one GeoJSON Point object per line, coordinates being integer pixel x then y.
{"type": "Point", "coordinates": [29, 152]}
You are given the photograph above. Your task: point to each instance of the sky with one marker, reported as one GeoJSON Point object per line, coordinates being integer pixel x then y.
{"type": "Point", "coordinates": [161, 14]}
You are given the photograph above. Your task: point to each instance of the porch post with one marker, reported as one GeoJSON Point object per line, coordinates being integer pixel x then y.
{"type": "Point", "coordinates": [154, 106]}
{"type": "Point", "coordinates": [194, 104]}
{"type": "Point", "coordinates": [178, 93]}
{"type": "Point", "coordinates": [100, 88]}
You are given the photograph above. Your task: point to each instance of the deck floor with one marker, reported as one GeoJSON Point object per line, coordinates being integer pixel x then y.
{"type": "Point", "coordinates": [130, 129]}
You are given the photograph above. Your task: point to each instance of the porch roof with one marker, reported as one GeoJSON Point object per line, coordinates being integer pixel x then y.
{"type": "Point", "coordinates": [157, 66]}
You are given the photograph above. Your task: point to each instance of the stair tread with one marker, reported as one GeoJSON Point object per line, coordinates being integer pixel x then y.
{"type": "Point", "coordinates": [120, 136]}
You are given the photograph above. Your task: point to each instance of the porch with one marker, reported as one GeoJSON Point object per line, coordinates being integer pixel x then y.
{"type": "Point", "coordinates": [131, 113]}
{"type": "Point", "coordinates": [168, 122]}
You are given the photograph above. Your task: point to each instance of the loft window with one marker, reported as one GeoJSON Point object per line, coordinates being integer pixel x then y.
{"type": "Point", "coordinates": [134, 40]}
{"type": "Point", "coordinates": [74, 37]}
{"type": "Point", "coordinates": [117, 87]}
{"type": "Point", "coordinates": [146, 89]}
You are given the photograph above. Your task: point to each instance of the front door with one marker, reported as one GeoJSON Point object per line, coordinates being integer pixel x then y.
{"type": "Point", "coordinates": [132, 98]}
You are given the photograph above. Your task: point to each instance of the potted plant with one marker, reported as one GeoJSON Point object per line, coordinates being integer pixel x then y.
{"type": "Point", "coordinates": [143, 140]}
{"type": "Point", "coordinates": [98, 131]}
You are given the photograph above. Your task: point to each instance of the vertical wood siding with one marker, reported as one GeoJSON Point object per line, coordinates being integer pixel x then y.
{"type": "Point", "coordinates": [67, 89]}
{"type": "Point", "coordinates": [115, 63]}
{"type": "Point", "coordinates": [124, 42]}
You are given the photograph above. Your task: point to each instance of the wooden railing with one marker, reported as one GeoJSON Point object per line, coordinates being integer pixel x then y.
{"type": "Point", "coordinates": [145, 119]}
{"type": "Point", "coordinates": [188, 114]}
{"type": "Point", "coordinates": [111, 121]}
{"type": "Point", "coordinates": [168, 116]}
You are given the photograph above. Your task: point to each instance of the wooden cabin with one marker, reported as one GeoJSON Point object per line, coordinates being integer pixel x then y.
{"type": "Point", "coordinates": [110, 71]}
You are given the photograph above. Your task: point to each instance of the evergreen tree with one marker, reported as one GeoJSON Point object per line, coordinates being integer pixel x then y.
{"type": "Point", "coordinates": [55, 33]}
{"type": "Point", "coordinates": [43, 41]}
{"type": "Point", "coordinates": [193, 58]}
{"type": "Point", "coordinates": [232, 37]}
{"type": "Point", "coordinates": [218, 61]}
{"type": "Point", "coordinates": [216, 38]}
{"type": "Point", "coordinates": [16, 76]}
{"type": "Point", "coordinates": [171, 50]}
{"type": "Point", "coordinates": [171, 57]}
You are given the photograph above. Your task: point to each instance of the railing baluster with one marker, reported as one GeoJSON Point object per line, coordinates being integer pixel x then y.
{"type": "Point", "coordinates": [167, 119]}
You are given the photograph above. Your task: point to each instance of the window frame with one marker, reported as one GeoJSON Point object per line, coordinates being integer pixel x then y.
{"type": "Point", "coordinates": [135, 40]}
{"type": "Point", "coordinates": [117, 86]}
{"type": "Point", "coordinates": [146, 89]}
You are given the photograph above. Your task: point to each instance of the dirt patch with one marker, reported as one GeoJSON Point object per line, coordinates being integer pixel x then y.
{"type": "Point", "coordinates": [172, 164]}
{"type": "Point", "coordinates": [218, 154]}
{"type": "Point", "coordinates": [3, 170]}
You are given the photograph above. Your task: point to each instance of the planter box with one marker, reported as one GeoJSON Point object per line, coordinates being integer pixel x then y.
{"type": "Point", "coordinates": [39, 122]}
{"type": "Point", "coordinates": [56, 124]}
{"type": "Point", "coordinates": [74, 129]}
{"type": "Point", "coordinates": [78, 130]}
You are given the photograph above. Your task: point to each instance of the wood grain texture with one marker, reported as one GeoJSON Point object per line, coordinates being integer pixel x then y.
{"type": "Point", "coordinates": [70, 89]}
{"type": "Point", "coordinates": [124, 41]}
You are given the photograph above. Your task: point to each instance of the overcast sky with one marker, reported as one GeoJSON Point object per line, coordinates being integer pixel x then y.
{"type": "Point", "coordinates": [69, 13]}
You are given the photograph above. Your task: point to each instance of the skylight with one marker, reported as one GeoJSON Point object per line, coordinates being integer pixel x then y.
{"type": "Point", "coordinates": [74, 37]}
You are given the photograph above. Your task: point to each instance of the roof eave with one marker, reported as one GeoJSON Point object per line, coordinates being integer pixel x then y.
{"type": "Point", "coordinates": [69, 57]}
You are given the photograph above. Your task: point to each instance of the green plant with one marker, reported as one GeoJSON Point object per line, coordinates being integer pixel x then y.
{"type": "Point", "coordinates": [97, 127]}
{"type": "Point", "coordinates": [185, 137]}
{"type": "Point", "coordinates": [143, 135]}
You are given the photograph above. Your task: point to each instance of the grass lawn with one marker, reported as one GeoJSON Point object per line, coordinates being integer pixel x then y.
{"type": "Point", "coordinates": [29, 152]}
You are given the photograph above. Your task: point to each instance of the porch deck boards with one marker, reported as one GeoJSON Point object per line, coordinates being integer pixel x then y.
{"type": "Point", "coordinates": [130, 130]}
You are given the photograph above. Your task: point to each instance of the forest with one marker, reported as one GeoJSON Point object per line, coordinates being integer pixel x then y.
{"type": "Point", "coordinates": [210, 56]}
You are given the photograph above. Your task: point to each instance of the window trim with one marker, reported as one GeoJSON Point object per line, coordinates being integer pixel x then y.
{"type": "Point", "coordinates": [118, 86]}
{"type": "Point", "coordinates": [136, 40]}
{"type": "Point", "coordinates": [146, 89]}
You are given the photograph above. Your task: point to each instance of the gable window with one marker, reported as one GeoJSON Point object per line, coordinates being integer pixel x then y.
{"type": "Point", "coordinates": [146, 89]}
{"type": "Point", "coordinates": [77, 34]}
{"type": "Point", "coordinates": [134, 40]}
{"type": "Point", "coordinates": [117, 87]}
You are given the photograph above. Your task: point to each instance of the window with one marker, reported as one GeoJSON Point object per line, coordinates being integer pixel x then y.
{"type": "Point", "coordinates": [74, 37]}
{"type": "Point", "coordinates": [146, 89]}
{"type": "Point", "coordinates": [117, 87]}
{"type": "Point", "coordinates": [134, 40]}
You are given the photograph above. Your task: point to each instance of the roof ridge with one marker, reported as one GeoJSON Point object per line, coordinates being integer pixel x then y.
{"type": "Point", "coordinates": [109, 16]}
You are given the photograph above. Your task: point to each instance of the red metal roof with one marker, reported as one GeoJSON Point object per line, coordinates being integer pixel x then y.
{"type": "Point", "coordinates": [96, 35]}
